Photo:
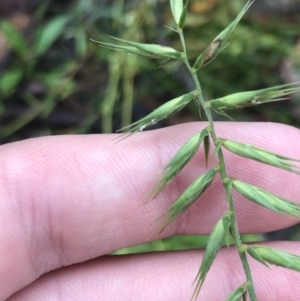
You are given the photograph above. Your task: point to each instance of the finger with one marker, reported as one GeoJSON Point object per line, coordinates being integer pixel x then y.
{"type": "Point", "coordinates": [68, 199]}
{"type": "Point", "coordinates": [162, 276]}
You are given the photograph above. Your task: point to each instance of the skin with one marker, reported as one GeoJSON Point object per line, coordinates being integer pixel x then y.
{"type": "Point", "coordinates": [66, 201]}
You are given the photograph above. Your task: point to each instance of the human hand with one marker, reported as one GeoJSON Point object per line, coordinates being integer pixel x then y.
{"type": "Point", "coordinates": [66, 201]}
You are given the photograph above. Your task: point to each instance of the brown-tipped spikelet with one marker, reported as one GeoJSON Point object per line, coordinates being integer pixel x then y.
{"type": "Point", "coordinates": [217, 45]}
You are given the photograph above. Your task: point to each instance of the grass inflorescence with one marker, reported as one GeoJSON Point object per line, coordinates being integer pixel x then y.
{"type": "Point", "coordinates": [227, 224]}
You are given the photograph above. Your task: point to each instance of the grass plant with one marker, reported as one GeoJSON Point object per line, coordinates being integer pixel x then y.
{"type": "Point", "coordinates": [227, 224]}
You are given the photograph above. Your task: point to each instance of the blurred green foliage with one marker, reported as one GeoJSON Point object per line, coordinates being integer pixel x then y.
{"type": "Point", "coordinates": [55, 81]}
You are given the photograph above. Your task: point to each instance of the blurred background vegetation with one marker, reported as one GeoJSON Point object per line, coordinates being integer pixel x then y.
{"type": "Point", "coordinates": [53, 80]}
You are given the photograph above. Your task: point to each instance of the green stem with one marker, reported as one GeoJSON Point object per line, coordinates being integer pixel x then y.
{"type": "Point", "coordinates": [223, 174]}
{"type": "Point", "coordinates": [111, 94]}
